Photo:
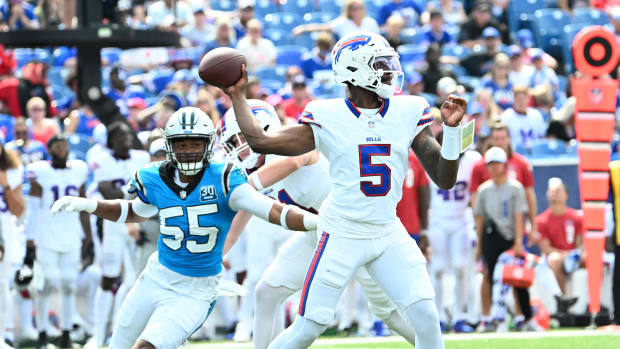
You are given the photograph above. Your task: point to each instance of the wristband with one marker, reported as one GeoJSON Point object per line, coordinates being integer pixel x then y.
{"type": "Point", "coordinates": [285, 210]}
{"type": "Point", "coordinates": [310, 221]}
{"type": "Point", "coordinates": [90, 205]}
{"type": "Point", "coordinates": [451, 143]}
{"type": "Point", "coordinates": [256, 182]}
{"type": "Point", "coordinates": [124, 210]}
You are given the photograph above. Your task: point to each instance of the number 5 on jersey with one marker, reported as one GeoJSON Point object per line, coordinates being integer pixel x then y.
{"type": "Point", "coordinates": [368, 169]}
{"type": "Point", "coordinates": [175, 235]}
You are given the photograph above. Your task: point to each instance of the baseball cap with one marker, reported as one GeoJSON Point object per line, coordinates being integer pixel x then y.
{"type": "Point", "coordinates": [299, 81]}
{"type": "Point", "coordinates": [475, 108]}
{"type": "Point", "coordinates": [514, 50]}
{"type": "Point", "coordinates": [536, 53]}
{"type": "Point", "coordinates": [243, 4]}
{"type": "Point", "coordinates": [274, 99]}
{"type": "Point", "coordinates": [526, 38]}
{"type": "Point", "coordinates": [490, 32]}
{"type": "Point", "coordinates": [414, 78]}
{"type": "Point", "coordinates": [447, 85]}
{"type": "Point", "coordinates": [495, 154]}
{"type": "Point", "coordinates": [157, 145]}
{"type": "Point", "coordinates": [136, 102]}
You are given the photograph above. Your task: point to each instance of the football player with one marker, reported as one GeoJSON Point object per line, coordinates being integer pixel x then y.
{"type": "Point", "coordinates": [366, 139]}
{"type": "Point", "coordinates": [58, 239]}
{"type": "Point", "coordinates": [196, 200]}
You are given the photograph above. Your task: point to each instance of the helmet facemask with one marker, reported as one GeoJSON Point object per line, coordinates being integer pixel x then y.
{"type": "Point", "coordinates": [190, 163]}
{"type": "Point", "coordinates": [388, 76]}
{"type": "Point", "coordinates": [236, 147]}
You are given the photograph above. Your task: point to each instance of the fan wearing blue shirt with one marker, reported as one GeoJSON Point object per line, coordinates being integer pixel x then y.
{"type": "Point", "coordinates": [320, 57]}
{"type": "Point", "coordinates": [436, 32]}
{"type": "Point", "coordinates": [498, 82]}
{"type": "Point", "coordinates": [408, 9]}
{"type": "Point", "coordinates": [19, 14]}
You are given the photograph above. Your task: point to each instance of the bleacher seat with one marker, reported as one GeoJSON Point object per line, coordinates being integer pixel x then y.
{"type": "Point", "coordinates": [549, 30]}
{"type": "Point", "coordinates": [25, 55]}
{"type": "Point", "coordinates": [289, 55]}
{"type": "Point", "coordinates": [373, 7]}
{"type": "Point", "coordinates": [522, 150]}
{"type": "Point", "coordinates": [271, 73]}
{"type": "Point", "coordinates": [472, 81]}
{"type": "Point", "coordinates": [158, 80]}
{"type": "Point", "coordinates": [282, 20]}
{"type": "Point", "coordinates": [297, 6]}
{"type": "Point", "coordinates": [278, 36]}
{"type": "Point", "coordinates": [272, 85]}
{"type": "Point", "coordinates": [567, 52]}
{"type": "Point", "coordinates": [334, 6]}
{"type": "Point", "coordinates": [79, 145]}
{"type": "Point", "coordinates": [61, 54]}
{"type": "Point", "coordinates": [319, 17]}
{"type": "Point", "coordinates": [455, 50]}
{"type": "Point", "coordinates": [548, 147]}
{"type": "Point", "coordinates": [306, 40]}
{"type": "Point", "coordinates": [7, 122]}
{"type": "Point", "coordinates": [224, 5]}
{"type": "Point", "coordinates": [412, 53]}
{"type": "Point", "coordinates": [590, 16]}
{"type": "Point", "coordinates": [263, 7]}
{"type": "Point", "coordinates": [412, 35]}
{"type": "Point", "coordinates": [111, 54]}
{"type": "Point", "coordinates": [521, 8]}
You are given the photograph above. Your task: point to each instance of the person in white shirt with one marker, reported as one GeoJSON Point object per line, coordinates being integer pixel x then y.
{"type": "Point", "coordinates": [352, 19]}
{"type": "Point", "coordinates": [259, 52]}
{"type": "Point", "coordinates": [520, 72]}
{"type": "Point", "coordinates": [542, 74]}
{"type": "Point", "coordinates": [161, 14]}
{"type": "Point", "coordinates": [525, 124]}
{"type": "Point", "coordinates": [201, 31]}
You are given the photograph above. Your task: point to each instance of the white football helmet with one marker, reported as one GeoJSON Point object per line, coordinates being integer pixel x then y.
{"type": "Point", "coordinates": [189, 122]}
{"type": "Point", "coordinates": [367, 60]}
{"type": "Point", "coordinates": [231, 141]}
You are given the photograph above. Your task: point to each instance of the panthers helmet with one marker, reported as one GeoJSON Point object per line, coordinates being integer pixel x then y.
{"type": "Point", "coordinates": [367, 60]}
{"type": "Point", "coordinates": [189, 122]}
{"type": "Point", "coordinates": [234, 145]}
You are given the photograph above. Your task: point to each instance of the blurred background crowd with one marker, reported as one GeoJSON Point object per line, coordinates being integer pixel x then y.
{"type": "Point", "coordinates": [511, 60]}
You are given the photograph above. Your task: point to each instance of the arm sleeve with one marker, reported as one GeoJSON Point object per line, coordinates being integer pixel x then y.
{"type": "Point", "coordinates": [426, 117]}
{"type": "Point", "coordinates": [520, 201]}
{"type": "Point", "coordinates": [135, 187]}
{"type": "Point", "coordinates": [542, 227]}
{"type": "Point", "coordinates": [478, 204]}
{"type": "Point", "coordinates": [579, 224]}
{"type": "Point", "coordinates": [143, 209]}
{"type": "Point", "coordinates": [528, 174]}
{"type": "Point", "coordinates": [307, 117]}
{"type": "Point", "coordinates": [246, 198]}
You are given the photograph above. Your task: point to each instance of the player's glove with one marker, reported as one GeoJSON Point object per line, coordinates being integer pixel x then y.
{"type": "Point", "coordinates": [74, 203]}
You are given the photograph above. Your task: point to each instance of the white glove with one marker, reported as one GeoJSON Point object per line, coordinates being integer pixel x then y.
{"type": "Point", "coordinates": [74, 203]}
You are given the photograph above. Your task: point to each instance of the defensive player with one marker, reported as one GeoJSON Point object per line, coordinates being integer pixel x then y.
{"type": "Point", "coordinates": [195, 200]}
{"type": "Point", "coordinates": [112, 168]}
{"type": "Point", "coordinates": [366, 139]}
{"type": "Point", "coordinates": [302, 181]}
{"type": "Point", "coordinates": [450, 233]}
{"type": "Point", "coordinates": [58, 238]}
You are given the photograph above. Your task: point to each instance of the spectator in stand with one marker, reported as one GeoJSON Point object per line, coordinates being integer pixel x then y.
{"type": "Point", "coordinates": [200, 31]}
{"type": "Point", "coordinates": [224, 35]}
{"type": "Point", "coordinates": [42, 128]}
{"type": "Point", "coordinates": [253, 88]}
{"type": "Point", "coordinates": [498, 213]}
{"type": "Point", "coordinates": [481, 126]}
{"type": "Point", "coordinates": [352, 19]}
{"type": "Point", "coordinates": [525, 124]}
{"type": "Point", "coordinates": [561, 232]}
{"type": "Point", "coordinates": [161, 15]}
{"type": "Point", "coordinates": [542, 75]}
{"type": "Point", "coordinates": [244, 15]}
{"type": "Point", "coordinates": [520, 72]}
{"type": "Point", "coordinates": [518, 168]}
{"type": "Point", "coordinates": [7, 63]}
{"type": "Point", "coordinates": [409, 10]}
{"type": "Point", "coordinates": [480, 63]}
{"type": "Point", "coordinates": [412, 209]}
{"type": "Point", "coordinates": [452, 10]}
{"type": "Point", "coordinates": [498, 83]}
{"type": "Point", "coordinates": [82, 122]}
{"type": "Point", "coordinates": [290, 74]}
{"type": "Point", "coordinates": [490, 108]}
{"type": "Point", "coordinates": [447, 86]}
{"type": "Point", "coordinates": [135, 105]}
{"type": "Point", "coordinates": [16, 92]}
{"type": "Point", "coordinates": [299, 98]}
{"type": "Point", "coordinates": [259, 51]}
{"type": "Point", "coordinates": [393, 29]}
{"type": "Point", "coordinates": [320, 57]}
{"type": "Point", "coordinates": [434, 71]}
{"type": "Point", "coordinates": [436, 32]}
{"type": "Point", "coordinates": [472, 30]}
{"type": "Point", "coordinates": [206, 103]}
{"type": "Point", "coordinates": [138, 18]}
{"type": "Point", "coordinates": [117, 88]}
{"type": "Point", "coordinates": [414, 84]}
{"type": "Point", "coordinates": [19, 14]}
{"type": "Point", "coordinates": [526, 41]}
{"type": "Point", "coordinates": [29, 150]}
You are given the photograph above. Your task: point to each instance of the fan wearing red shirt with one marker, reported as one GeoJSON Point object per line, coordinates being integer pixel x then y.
{"type": "Point", "coordinates": [561, 230]}
{"type": "Point", "coordinates": [518, 168]}
{"type": "Point", "coordinates": [412, 210]}
{"type": "Point", "coordinates": [299, 98]}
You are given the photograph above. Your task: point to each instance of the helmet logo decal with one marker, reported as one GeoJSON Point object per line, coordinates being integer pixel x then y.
{"type": "Point", "coordinates": [353, 44]}
{"type": "Point", "coordinates": [192, 121]}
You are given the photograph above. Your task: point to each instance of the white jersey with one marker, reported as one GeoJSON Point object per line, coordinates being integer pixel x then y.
{"type": "Point", "coordinates": [13, 250]}
{"type": "Point", "coordinates": [453, 203]}
{"type": "Point", "coordinates": [368, 155]}
{"type": "Point", "coordinates": [61, 232]}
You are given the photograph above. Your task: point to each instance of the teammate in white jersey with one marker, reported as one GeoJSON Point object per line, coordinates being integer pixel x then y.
{"type": "Point", "coordinates": [112, 169]}
{"type": "Point", "coordinates": [58, 239]}
{"type": "Point", "coordinates": [366, 139]}
{"type": "Point", "coordinates": [450, 232]}
{"type": "Point", "coordinates": [302, 181]}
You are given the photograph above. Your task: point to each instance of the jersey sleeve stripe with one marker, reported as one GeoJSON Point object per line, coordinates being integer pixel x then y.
{"type": "Point", "coordinates": [310, 275]}
{"type": "Point", "coordinates": [304, 120]}
{"type": "Point", "coordinates": [139, 182]}
{"type": "Point", "coordinates": [226, 178]}
{"type": "Point", "coordinates": [143, 198]}
{"type": "Point", "coordinates": [425, 121]}
{"type": "Point", "coordinates": [307, 115]}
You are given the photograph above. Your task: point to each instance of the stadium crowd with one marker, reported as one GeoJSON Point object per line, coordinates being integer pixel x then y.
{"type": "Point", "coordinates": [510, 60]}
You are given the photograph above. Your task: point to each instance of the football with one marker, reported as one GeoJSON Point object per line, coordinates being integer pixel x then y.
{"type": "Point", "coordinates": [221, 66]}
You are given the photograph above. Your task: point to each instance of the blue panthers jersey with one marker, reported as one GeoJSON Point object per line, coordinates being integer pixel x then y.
{"type": "Point", "coordinates": [194, 220]}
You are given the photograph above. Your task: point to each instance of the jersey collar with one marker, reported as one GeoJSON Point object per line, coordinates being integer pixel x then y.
{"type": "Point", "coordinates": [385, 103]}
{"type": "Point", "coordinates": [166, 172]}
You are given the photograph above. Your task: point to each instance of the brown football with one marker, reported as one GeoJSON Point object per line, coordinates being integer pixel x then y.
{"type": "Point", "coordinates": [221, 66]}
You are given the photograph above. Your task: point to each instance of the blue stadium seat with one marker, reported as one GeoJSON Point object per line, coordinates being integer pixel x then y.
{"type": "Point", "coordinates": [278, 36]}
{"type": "Point", "coordinates": [517, 9]}
{"type": "Point", "coordinates": [412, 53]}
{"type": "Point", "coordinates": [522, 150]}
{"type": "Point", "coordinates": [373, 7]}
{"type": "Point", "coordinates": [79, 145]}
{"type": "Point", "coordinates": [412, 35]}
{"type": "Point", "coordinates": [264, 7]}
{"type": "Point", "coordinates": [159, 79]}
{"type": "Point", "coordinates": [549, 30]}
{"type": "Point", "coordinates": [546, 147]}
{"type": "Point", "coordinates": [283, 20]}
{"type": "Point", "coordinates": [319, 17]}
{"type": "Point", "coordinates": [289, 55]}
{"type": "Point", "coordinates": [61, 54]}
{"type": "Point", "coordinates": [271, 73]}
{"type": "Point", "coordinates": [7, 122]}
{"type": "Point", "coordinates": [567, 51]}
{"type": "Point", "coordinates": [298, 6]}
{"type": "Point", "coordinates": [334, 6]}
{"type": "Point", "coordinates": [473, 81]}
{"type": "Point", "coordinates": [457, 69]}
{"type": "Point", "coordinates": [455, 50]}
{"type": "Point", "coordinates": [111, 54]}
{"type": "Point", "coordinates": [224, 5]}
{"type": "Point", "coordinates": [590, 16]}
{"type": "Point", "coordinates": [272, 85]}
{"type": "Point", "coordinates": [306, 40]}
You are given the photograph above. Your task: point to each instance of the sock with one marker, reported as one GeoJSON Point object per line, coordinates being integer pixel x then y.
{"type": "Point", "coordinates": [68, 305]}
{"type": "Point", "coordinates": [460, 292]}
{"type": "Point", "coordinates": [42, 311]}
{"type": "Point", "coordinates": [425, 321]}
{"type": "Point", "coordinates": [397, 323]}
{"type": "Point", "coordinates": [299, 335]}
{"type": "Point", "coordinates": [26, 309]}
{"type": "Point", "coordinates": [119, 297]}
{"type": "Point", "coordinates": [268, 321]}
{"type": "Point", "coordinates": [103, 306]}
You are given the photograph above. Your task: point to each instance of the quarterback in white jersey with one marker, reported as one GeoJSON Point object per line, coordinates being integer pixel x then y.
{"type": "Point", "coordinates": [450, 232]}
{"type": "Point", "coordinates": [112, 169]}
{"type": "Point", "coordinates": [58, 239]}
{"type": "Point", "coordinates": [302, 181]}
{"type": "Point", "coordinates": [366, 139]}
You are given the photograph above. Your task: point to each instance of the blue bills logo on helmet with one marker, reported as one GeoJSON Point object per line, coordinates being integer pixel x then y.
{"type": "Point", "coordinates": [355, 43]}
